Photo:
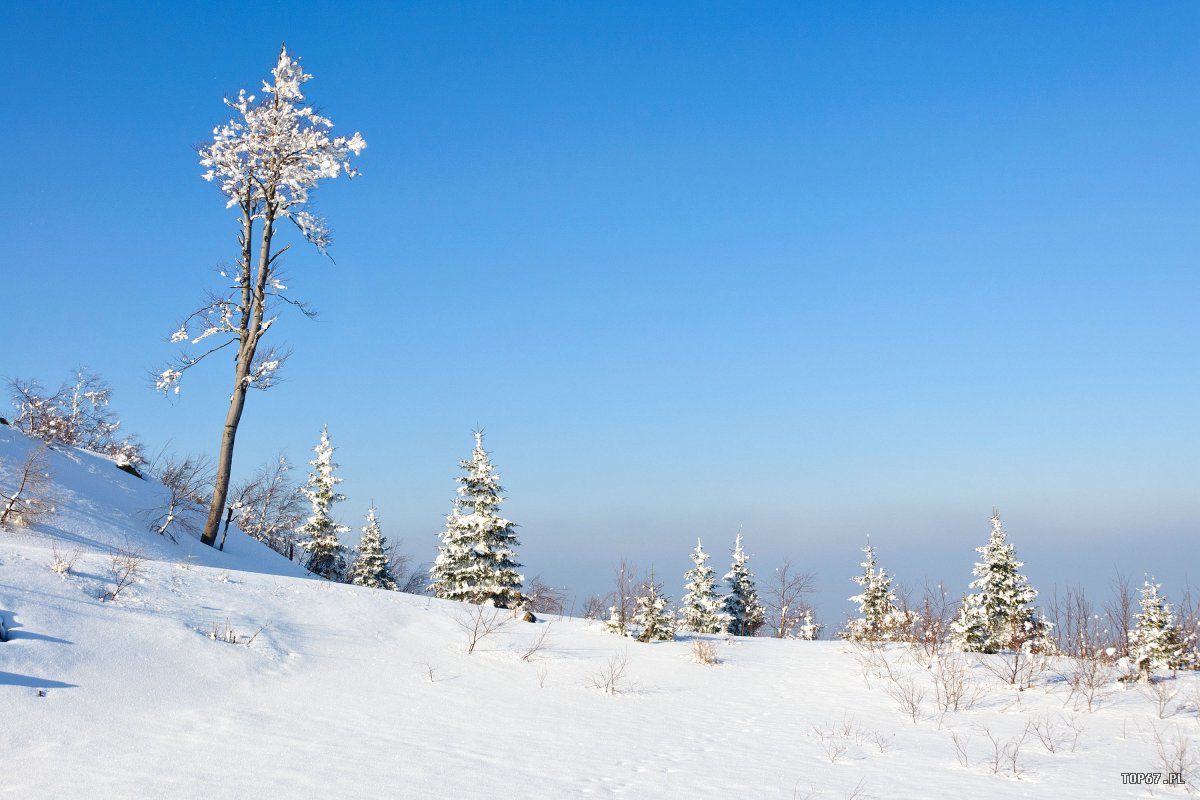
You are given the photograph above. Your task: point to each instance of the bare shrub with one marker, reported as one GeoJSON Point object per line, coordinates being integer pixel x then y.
{"type": "Point", "coordinates": [30, 498]}
{"type": "Point", "coordinates": [704, 651]}
{"type": "Point", "coordinates": [1177, 754]}
{"type": "Point", "coordinates": [622, 601]}
{"type": "Point", "coordinates": [1019, 666]}
{"type": "Point", "coordinates": [882, 741]}
{"type": "Point", "coordinates": [188, 482]}
{"type": "Point", "coordinates": [269, 507]}
{"type": "Point", "coordinates": [960, 749]}
{"type": "Point", "coordinates": [594, 607]}
{"type": "Point", "coordinates": [125, 566]}
{"type": "Point", "coordinates": [1161, 693]}
{"type": "Point", "coordinates": [60, 564]}
{"type": "Point", "coordinates": [953, 688]}
{"type": "Point", "coordinates": [224, 632]}
{"type": "Point", "coordinates": [1087, 648]}
{"type": "Point", "coordinates": [930, 624]}
{"type": "Point", "coordinates": [1006, 754]}
{"type": "Point", "coordinates": [544, 598]}
{"type": "Point", "coordinates": [536, 645]}
{"type": "Point", "coordinates": [1056, 733]}
{"type": "Point", "coordinates": [908, 693]}
{"type": "Point", "coordinates": [480, 622]}
{"type": "Point", "coordinates": [611, 679]}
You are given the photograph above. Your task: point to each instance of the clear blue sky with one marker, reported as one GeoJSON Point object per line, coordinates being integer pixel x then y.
{"type": "Point", "coordinates": [817, 270]}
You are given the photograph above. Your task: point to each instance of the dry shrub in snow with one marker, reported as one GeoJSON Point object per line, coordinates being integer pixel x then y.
{"type": "Point", "coordinates": [610, 679]}
{"type": "Point", "coordinates": [30, 496]}
{"type": "Point", "coordinates": [124, 568]}
{"type": "Point", "coordinates": [704, 651]}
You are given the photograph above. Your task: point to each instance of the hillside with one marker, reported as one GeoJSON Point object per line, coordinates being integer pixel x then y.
{"type": "Point", "coordinates": [227, 674]}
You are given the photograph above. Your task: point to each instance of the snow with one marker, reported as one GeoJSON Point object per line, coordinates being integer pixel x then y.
{"type": "Point", "coordinates": [348, 691]}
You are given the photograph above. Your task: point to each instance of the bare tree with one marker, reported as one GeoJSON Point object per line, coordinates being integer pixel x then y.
{"type": "Point", "coordinates": [784, 597]}
{"type": "Point", "coordinates": [1119, 612]}
{"type": "Point", "coordinates": [266, 161]}
{"type": "Point", "coordinates": [1088, 649]}
{"type": "Point", "coordinates": [187, 481]}
{"type": "Point", "coordinates": [544, 598]}
{"type": "Point", "coordinates": [622, 601]}
{"type": "Point", "coordinates": [30, 496]}
{"type": "Point", "coordinates": [269, 507]}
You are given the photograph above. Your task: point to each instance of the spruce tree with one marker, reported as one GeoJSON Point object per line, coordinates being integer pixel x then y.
{"type": "Point", "coordinates": [746, 614]}
{"type": "Point", "coordinates": [878, 618]}
{"type": "Point", "coordinates": [701, 612]}
{"type": "Point", "coordinates": [476, 562]}
{"type": "Point", "coordinates": [326, 553]}
{"type": "Point", "coordinates": [653, 618]}
{"type": "Point", "coordinates": [1156, 642]}
{"type": "Point", "coordinates": [999, 616]}
{"type": "Point", "coordinates": [370, 568]}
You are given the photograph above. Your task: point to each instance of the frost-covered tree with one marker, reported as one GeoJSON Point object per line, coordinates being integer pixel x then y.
{"type": "Point", "coordinates": [808, 630]}
{"type": "Point", "coordinates": [879, 619]}
{"type": "Point", "coordinates": [77, 414]}
{"type": "Point", "coordinates": [1155, 642]}
{"type": "Point", "coordinates": [270, 507]}
{"type": "Point", "coordinates": [702, 608]}
{"type": "Point", "coordinates": [326, 553]}
{"type": "Point", "coordinates": [653, 619]}
{"type": "Point", "coordinates": [266, 161]}
{"type": "Point", "coordinates": [370, 568]}
{"type": "Point", "coordinates": [998, 616]}
{"type": "Point", "coordinates": [746, 614]}
{"type": "Point", "coordinates": [476, 562]}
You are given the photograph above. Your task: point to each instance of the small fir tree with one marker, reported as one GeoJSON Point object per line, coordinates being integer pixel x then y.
{"type": "Point", "coordinates": [653, 617]}
{"type": "Point", "coordinates": [878, 618]}
{"type": "Point", "coordinates": [999, 616]}
{"type": "Point", "coordinates": [746, 614]}
{"type": "Point", "coordinates": [1156, 642]}
{"type": "Point", "coordinates": [701, 612]}
{"type": "Point", "coordinates": [326, 553]}
{"type": "Point", "coordinates": [370, 568]}
{"type": "Point", "coordinates": [809, 630]}
{"type": "Point", "coordinates": [476, 562]}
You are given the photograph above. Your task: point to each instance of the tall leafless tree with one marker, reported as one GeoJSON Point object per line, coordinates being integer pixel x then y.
{"type": "Point", "coordinates": [266, 161]}
{"type": "Point", "coordinates": [784, 596]}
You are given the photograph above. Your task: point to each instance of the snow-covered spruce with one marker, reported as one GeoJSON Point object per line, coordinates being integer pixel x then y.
{"type": "Point", "coordinates": [370, 568]}
{"type": "Point", "coordinates": [702, 608]}
{"type": "Point", "coordinates": [476, 562]}
{"type": "Point", "coordinates": [999, 616]}
{"type": "Point", "coordinates": [746, 614]}
{"type": "Point", "coordinates": [326, 553]}
{"type": "Point", "coordinates": [879, 620]}
{"type": "Point", "coordinates": [653, 619]}
{"type": "Point", "coordinates": [1156, 642]}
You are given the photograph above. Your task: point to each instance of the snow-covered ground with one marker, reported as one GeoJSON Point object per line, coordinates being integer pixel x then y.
{"type": "Point", "coordinates": [339, 691]}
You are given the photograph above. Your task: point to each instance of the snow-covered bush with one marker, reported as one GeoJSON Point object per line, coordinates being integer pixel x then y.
{"type": "Point", "coordinates": [77, 414]}
{"type": "Point", "coordinates": [653, 620]}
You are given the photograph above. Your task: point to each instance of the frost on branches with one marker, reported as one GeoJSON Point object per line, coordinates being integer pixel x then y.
{"type": "Point", "coordinates": [879, 620]}
{"type": "Point", "coordinates": [999, 616]}
{"type": "Point", "coordinates": [77, 415]}
{"type": "Point", "coordinates": [701, 611]}
{"type": "Point", "coordinates": [652, 618]}
{"type": "Point", "coordinates": [746, 614]}
{"type": "Point", "coordinates": [476, 562]}
{"type": "Point", "coordinates": [1156, 642]}
{"type": "Point", "coordinates": [325, 550]}
{"type": "Point", "coordinates": [265, 160]}
{"type": "Point", "coordinates": [370, 568]}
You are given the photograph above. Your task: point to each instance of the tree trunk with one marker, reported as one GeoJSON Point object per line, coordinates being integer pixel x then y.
{"type": "Point", "coordinates": [225, 460]}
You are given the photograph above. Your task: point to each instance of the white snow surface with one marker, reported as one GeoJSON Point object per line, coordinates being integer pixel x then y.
{"type": "Point", "coordinates": [353, 692]}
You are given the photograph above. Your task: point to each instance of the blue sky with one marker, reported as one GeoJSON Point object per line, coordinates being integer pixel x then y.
{"type": "Point", "coordinates": [821, 271]}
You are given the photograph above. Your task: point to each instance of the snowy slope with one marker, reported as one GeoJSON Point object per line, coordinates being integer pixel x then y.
{"type": "Point", "coordinates": [351, 692]}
